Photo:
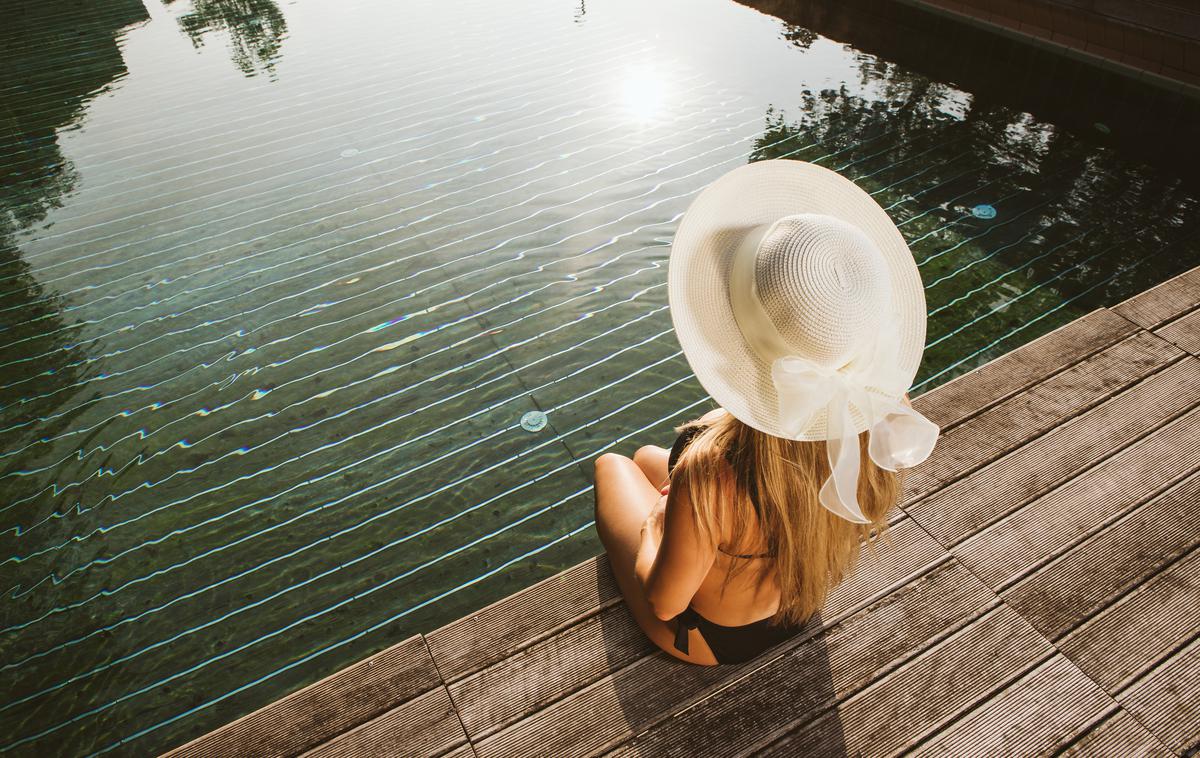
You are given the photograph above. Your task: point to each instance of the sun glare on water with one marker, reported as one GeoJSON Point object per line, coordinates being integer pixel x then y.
{"type": "Point", "coordinates": [643, 92]}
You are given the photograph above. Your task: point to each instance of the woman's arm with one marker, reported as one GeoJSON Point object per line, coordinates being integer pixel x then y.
{"type": "Point", "coordinates": [648, 546]}
{"type": "Point", "coordinates": [672, 560]}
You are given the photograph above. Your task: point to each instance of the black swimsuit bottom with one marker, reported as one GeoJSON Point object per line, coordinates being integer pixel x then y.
{"type": "Point", "coordinates": [732, 644]}
{"type": "Point", "coordinates": [729, 644]}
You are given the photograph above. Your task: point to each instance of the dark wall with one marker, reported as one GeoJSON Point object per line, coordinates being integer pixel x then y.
{"type": "Point", "coordinates": [1161, 37]}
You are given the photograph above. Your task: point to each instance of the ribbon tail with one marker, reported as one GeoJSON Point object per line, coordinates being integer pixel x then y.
{"type": "Point", "coordinates": [839, 493]}
{"type": "Point", "coordinates": [901, 437]}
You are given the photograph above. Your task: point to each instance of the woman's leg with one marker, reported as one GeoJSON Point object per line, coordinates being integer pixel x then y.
{"type": "Point", "coordinates": [652, 460]}
{"type": "Point", "coordinates": [624, 497]}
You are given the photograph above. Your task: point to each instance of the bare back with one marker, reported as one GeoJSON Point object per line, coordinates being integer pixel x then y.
{"type": "Point", "coordinates": [743, 602]}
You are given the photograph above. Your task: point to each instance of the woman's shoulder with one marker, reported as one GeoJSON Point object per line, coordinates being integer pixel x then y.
{"type": "Point", "coordinates": [713, 415]}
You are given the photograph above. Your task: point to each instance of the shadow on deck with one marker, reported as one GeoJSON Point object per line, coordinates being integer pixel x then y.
{"type": "Point", "coordinates": [1040, 594]}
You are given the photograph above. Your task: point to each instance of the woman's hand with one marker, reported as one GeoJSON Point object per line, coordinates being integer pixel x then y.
{"type": "Point", "coordinates": [649, 540]}
{"type": "Point", "coordinates": [657, 519]}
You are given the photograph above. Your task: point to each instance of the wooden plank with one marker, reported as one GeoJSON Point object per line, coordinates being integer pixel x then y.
{"type": "Point", "coordinates": [1167, 700]}
{"type": "Point", "coordinates": [1125, 640]}
{"type": "Point", "coordinates": [1083, 580]}
{"type": "Point", "coordinates": [1183, 332]}
{"type": "Point", "coordinates": [1048, 526]}
{"type": "Point", "coordinates": [326, 708]}
{"type": "Point", "coordinates": [1024, 416]}
{"type": "Point", "coordinates": [903, 552]}
{"type": "Point", "coordinates": [1040, 712]}
{"type": "Point", "coordinates": [825, 669]}
{"type": "Point", "coordinates": [546, 671]}
{"type": "Point", "coordinates": [1163, 302]}
{"type": "Point", "coordinates": [968, 505]}
{"type": "Point", "coordinates": [424, 726]}
{"type": "Point", "coordinates": [1118, 734]}
{"type": "Point", "coordinates": [1006, 375]}
{"type": "Point", "coordinates": [514, 622]}
{"type": "Point", "coordinates": [927, 692]}
{"type": "Point", "coordinates": [628, 699]}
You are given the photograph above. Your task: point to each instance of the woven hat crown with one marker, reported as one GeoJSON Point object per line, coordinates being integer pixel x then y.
{"type": "Point", "coordinates": [824, 285]}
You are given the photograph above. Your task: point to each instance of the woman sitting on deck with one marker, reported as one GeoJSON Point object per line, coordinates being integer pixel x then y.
{"type": "Point", "coordinates": [801, 311]}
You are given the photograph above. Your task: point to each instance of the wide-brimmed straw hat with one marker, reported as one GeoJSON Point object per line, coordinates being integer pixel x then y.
{"type": "Point", "coordinates": [801, 310]}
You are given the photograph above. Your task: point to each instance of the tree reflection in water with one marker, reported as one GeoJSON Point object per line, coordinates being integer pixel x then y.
{"type": "Point", "coordinates": [47, 87]}
{"type": "Point", "coordinates": [255, 29]}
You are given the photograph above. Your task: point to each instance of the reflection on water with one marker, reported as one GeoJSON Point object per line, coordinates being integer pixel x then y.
{"type": "Point", "coordinates": [266, 341]}
{"type": "Point", "coordinates": [255, 30]}
{"type": "Point", "coordinates": [41, 334]}
{"type": "Point", "coordinates": [45, 87]}
{"type": "Point", "coordinates": [1074, 223]}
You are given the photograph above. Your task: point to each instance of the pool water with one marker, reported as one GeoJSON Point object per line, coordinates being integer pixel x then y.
{"type": "Point", "coordinates": [314, 316]}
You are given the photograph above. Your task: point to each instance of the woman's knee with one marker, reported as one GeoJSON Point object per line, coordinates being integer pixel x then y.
{"type": "Point", "coordinates": [609, 464]}
{"type": "Point", "coordinates": [648, 453]}
{"type": "Point", "coordinates": [606, 467]}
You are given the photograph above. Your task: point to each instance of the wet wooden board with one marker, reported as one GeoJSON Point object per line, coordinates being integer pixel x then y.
{"type": "Point", "coordinates": [326, 708]}
{"type": "Point", "coordinates": [1161, 303]}
{"type": "Point", "coordinates": [1167, 699]}
{"type": "Point", "coordinates": [1143, 628]}
{"type": "Point", "coordinates": [1101, 569]}
{"type": "Point", "coordinates": [628, 699]}
{"type": "Point", "coordinates": [1183, 332]}
{"type": "Point", "coordinates": [1043, 710]}
{"type": "Point", "coordinates": [424, 726]}
{"type": "Point", "coordinates": [1048, 526]}
{"type": "Point", "coordinates": [1117, 734]}
{"type": "Point", "coordinates": [959, 510]}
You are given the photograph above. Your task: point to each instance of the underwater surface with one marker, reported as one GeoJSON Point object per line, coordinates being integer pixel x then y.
{"type": "Point", "coordinates": [314, 316]}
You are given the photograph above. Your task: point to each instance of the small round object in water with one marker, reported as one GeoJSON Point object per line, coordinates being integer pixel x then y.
{"type": "Point", "coordinates": [533, 421]}
{"type": "Point", "coordinates": [983, 210]}
{"type": "Point", "coordinates": [350, 152]}
{"type": "Point", "coordinates": [1102, 128]}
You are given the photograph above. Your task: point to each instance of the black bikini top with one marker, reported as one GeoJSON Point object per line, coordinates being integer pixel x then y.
{"type": "Point", "coordinates": [677, 449]}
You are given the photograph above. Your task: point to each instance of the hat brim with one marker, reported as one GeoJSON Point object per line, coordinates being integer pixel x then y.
{"type": "Point", "coordinates": [698, 272]}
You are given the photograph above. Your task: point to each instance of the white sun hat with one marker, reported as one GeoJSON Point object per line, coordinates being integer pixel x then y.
{"type": "Point", "coordinates": [801, 311]}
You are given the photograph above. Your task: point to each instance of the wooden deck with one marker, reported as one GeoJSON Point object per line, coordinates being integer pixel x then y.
{"type": "Point", "coordinates": [1040, 594]}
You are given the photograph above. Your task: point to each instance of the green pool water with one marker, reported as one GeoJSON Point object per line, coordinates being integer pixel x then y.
{"type": "Point", "coordinates": [280, 281]}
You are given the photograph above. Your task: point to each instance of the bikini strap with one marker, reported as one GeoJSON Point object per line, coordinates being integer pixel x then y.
{"type": "Point", "coordinates": [748, 555]}
{"type": "Point", "coordinates": [686, 620]}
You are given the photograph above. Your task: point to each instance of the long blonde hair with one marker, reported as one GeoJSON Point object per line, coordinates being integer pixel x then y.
{"type": "Point", "coordinates": [813, 548]}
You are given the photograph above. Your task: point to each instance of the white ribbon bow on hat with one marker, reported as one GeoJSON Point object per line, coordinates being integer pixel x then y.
{"type": "Point", "coordinates": [900, 437]}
